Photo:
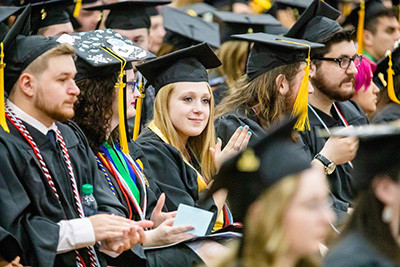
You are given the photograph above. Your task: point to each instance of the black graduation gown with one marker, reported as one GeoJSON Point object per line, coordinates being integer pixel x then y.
{"type": "Point", "coordinates": [31, 209]}
{"type": "Point", "coordinates": [354, 250]}
{"type": "Point", "coordinates": [9, 246]}
{"type": "Point", "coordinates": [172, 175]}
{"type": "Point", "coordinates": [340, 180]}
{"type": "Point", "coordinates": [389, 113]}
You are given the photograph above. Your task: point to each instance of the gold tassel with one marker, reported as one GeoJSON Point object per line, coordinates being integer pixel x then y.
{"type": "Point", "coordinates": [360, 28]}
{"type": "Point", "coordinates": [138, 110]}
{"type": "Point", "coordinates": [123, 140]}
{"type": "Point", "coordinates": [390, 85]}
{"type": "Point", "coordinates": [3, 121]}
{"type": "Point", "coordinates": [300, 107]}
{"type": "Point", "coordinates": [77, 8]}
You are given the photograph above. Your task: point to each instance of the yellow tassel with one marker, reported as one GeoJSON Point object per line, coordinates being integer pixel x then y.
{"type": "Point", "coordinates": [260, 6]}
{"type": "Point", "coordinates": [300, 107]}
{"type": "Point", "coordinates": [138, 110]}
{"type": "Point", "coordinates": [123, 140]}
{"type": "Point", "coordinates": [346, 9]}
{"type": "Point", "coordinates": [3, 121]}
{"type": "Point", "coordinates": [360, 29]}
{"type": "Point", "coordinates": [77, 8]}
{"type": "Point", "coordinates": [390, 86]}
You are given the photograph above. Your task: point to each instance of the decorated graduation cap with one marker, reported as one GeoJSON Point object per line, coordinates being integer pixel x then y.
{"type": "Point", "coordinates": [378, 152]}
{"type": "Point", "coordinates": [5, 13]}
{"type": "Point", "coordinates": [316, 23]}
{"type": "Point", "coordinates": [234, 23]}
{"type": "Point", "coordinates": [102, 52]}
{"type": "Point", "coordinates": [272, 51]}
{"type": "Point", "coordinates": [184, 30]}
{"type": "Point", "coordinates": [185, 65]}
{"type": "Point", "coordinates": [365, 10]}
{"type": "Point", "coordinates": [128, 15]}
{"type": "Point", "coordinates": [254, 170]}
{"type": "Point", "coordinates": [198, 9]}
{"type": "Point", "coordinates": [386, 70]}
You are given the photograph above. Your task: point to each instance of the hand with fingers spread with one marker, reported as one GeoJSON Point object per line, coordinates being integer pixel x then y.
{"type": "Point", "coordinates": [166, 234]}
{"type": "Point", "coordinates": [130, 238]}
{"type": "Point", "coordinates": [237, 143]}
{"type": "Point", "coordinates": [158, 216]}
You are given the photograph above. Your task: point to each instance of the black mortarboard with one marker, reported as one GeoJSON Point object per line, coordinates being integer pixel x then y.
{"type": "Point", "coordinates": [372, 8]}
{"type": "Point", "coordinates": [298, 5]}
{"type": "Point", "coordinates": [250, 173]}
{"type": "Point", "coordinates": [129, 15]}
{"type": "Point", "coordinates": [234, 23]}
{"type": "Point", "coordinates": [184, 30]}
{"type": "Point", "coordinates": [185, 65]}
{"type": "Point", "coordinates": [271, 51]}
{"type": "Point", "coordinates": [95, 61]}
{"type": "Point", "coordinates": [316, 23]}
{"type": "Point", "coordinates": [378, 151]}
{"type": "Point", "coordinates": [22, 50]}
{"type": "Point", "coordinates": [198, 9]}
{"type": "Point", "coordinates": [5, 13]}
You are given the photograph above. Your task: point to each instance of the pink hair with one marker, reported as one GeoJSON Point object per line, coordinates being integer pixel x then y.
{"type": "Point", "coordinates": [363, 77]}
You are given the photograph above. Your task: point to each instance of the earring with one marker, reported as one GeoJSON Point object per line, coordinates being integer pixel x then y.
{"type": "Point", "coordinates": [387, 214]}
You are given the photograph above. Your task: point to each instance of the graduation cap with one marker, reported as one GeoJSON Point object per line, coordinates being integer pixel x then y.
{"type": "Point", "coordinates": [271, 51]}
{"type": "Point", "coordinates": [5, 13]}
{"type": "Point", "coordinates": [234, 23]}
{"type": "Point", "coordinates": [378, 152]}
{"type": "Point", "coordinates": [386, 70]}
{"type": "Point", "coordinates": [254, 170]}
{"type": "Point", "coordinates": [316, 23]}
{"type": "Point", "coordinates": [364, 11]}
{"type": "Point", "coordinates": [184, 30]}
{"type": "Point", "coordinates": [129, 15]}
{"type": "Point", "coordinates": [19, 51]}
{"type": "Point", "coordinates": [185, 65]}
{"type": "Point", "coordinates": [103, 52]}
{"type": "Point", "coordinates": [298, 5]}
{"type": "Point", "coordinates": [78, 6]}
{"type": "Point", "coordinates": [198, 9]}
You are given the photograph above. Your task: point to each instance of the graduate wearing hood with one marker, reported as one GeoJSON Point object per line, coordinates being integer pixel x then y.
{"type": "Point", "coordinates": [46, 160]}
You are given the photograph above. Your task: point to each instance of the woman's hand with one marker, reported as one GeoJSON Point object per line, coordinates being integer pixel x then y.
{"type": "Point", "coordinates": [166, 234]}
{"type": "Point", "coordinates": [237, 143]}
{"type": "Point", "coordinates": [158, 216]}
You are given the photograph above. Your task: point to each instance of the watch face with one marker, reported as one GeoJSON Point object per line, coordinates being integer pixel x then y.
{"type": "Point", "coordinates": [329, 169]}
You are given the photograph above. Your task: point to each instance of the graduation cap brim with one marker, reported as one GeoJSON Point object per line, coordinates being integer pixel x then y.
{"type": "Point", "coordinates": [372, 8]}
{"type": "Point", "coordinates": [199, 9]}
{"type": "Point", "coordinates": [91, 48]}
{"type": "Point", "coordinates": [131, 5]}
{"type": "Point", "coordinates": [271, 51]}
{"type": "Point", "coordinates": [295, 3]}
{"type": "Point", "coordinates": [185, 65]}
{"type": "Point", "coordinates": [8, 11]}
{"type": "Point", "coordinates": [192, 28]}
{"type": "Point", "coordinates": [245, 183]}
{"type": "Point", "coordinates": [316, 9]}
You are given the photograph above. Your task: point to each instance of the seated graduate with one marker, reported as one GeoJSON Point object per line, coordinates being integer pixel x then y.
{"type": "Point", "coordinates": [45, 161]}
{"type": "Point", "coordinates": [371, 236]}
{"type": "Point", "coordinates": [276, 84]}
{"type": "Point", "coordinates": [181, 137]}
{"type": "Point", "coordinates": [99, 111]}
{"type": "Point", "coordinates": [284, 204]}
{"type": "Point", "coordinates": [366, 92]}
{"type": "Point", "coordinates": [388, 108]}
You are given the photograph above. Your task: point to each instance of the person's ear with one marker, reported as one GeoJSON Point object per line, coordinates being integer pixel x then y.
{"type": "Point", "coordinates": [368, 38]}
{"type": "Point", "coordinates": [27, 84]}
{"type": "Point", "coordinates": [313, 70]}
{"type": "Point", "coordinates": [385, 189]}
{"type": "Point", "coordinates": [282, 84]}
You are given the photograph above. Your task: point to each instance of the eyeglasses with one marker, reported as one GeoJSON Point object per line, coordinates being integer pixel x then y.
{"type": "Point", "coordinates": [344, 62]}
{"type": "Point", "coordinates": [133, 85]}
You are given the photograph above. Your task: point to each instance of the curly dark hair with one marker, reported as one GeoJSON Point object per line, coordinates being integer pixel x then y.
{"type": "Point", "coordinates": [93, 110]}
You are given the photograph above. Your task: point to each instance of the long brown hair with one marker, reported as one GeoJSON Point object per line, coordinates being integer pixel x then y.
{"type": "Point", "coordinates": [199, 145]}
{"type": "Point", "coordinates": [93, 110]}
{"type": "Point", "coordinates": [264, 239]}
{"type": "Point", "coordinates": [261, 93]}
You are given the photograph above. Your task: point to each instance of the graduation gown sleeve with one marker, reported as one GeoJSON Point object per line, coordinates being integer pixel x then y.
{"type": "Point", "coordinates": [389, 113]}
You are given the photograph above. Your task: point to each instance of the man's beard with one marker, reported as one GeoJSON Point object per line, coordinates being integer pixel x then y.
{"type": "Point", "coordinates": [332, 91]}
{"type": "Point", "coordinates": [55, 114]}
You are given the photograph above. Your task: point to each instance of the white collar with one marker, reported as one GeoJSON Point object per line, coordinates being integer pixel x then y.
{"type": "Point", "coordinates": [29, 119]}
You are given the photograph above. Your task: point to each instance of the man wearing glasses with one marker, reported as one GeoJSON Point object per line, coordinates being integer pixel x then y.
{"type": "Point", "coordinates": [332, 74]}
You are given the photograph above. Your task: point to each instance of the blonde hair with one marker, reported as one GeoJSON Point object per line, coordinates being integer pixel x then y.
{"type": "Point", "coordinates": [232, 54]}
{"type": "Point", "coordinates": [261, 93]}
{"type": "Point", "coordinates": [199, 145]}
{"type": "Point", "coordinates": [264, 239]}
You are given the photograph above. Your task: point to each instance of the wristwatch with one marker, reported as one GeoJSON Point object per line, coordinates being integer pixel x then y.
{"type": "Point", "coordinates": [329, 165]}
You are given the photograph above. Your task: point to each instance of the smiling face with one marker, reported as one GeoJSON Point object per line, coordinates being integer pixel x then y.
{"type": "Point", "coordinates": [189, 108]}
